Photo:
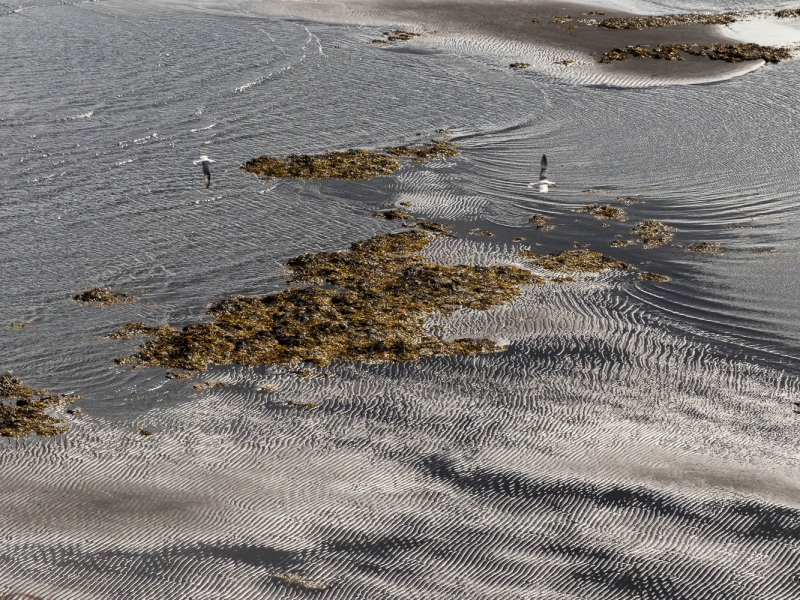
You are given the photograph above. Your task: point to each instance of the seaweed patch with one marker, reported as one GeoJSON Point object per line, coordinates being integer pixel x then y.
{"type": "Point", "coordinates": [653, 233]}
{"type": "Point", "coordinates": [707, 248]}
{"type": "Point", "coordinates": [293, 580]}
{"type": "Point", "coordinates": [420, 153]}
{"type": "Point", "coordinates": [519, 65]}
{"type": "Point", "coordinates": [574, 261]}
{"type": "Point", "coordinates": [350, 164]}
{"type": "Point", "coordinates": [662, 21]}
{"type": "Point", "coordinates": [102, 296]}
{"type": "Point", "coordinates": [540, 221]}
{"type": "Point", "coordinates": [649, 276]}
{"type": "Point", "coordinates": [728, 52]}
{"type": "Point", "coordinates": [605, 211]}
{"type": "Point", "coordinates": [367, 303]}
{"type": "Point", "coordinates": [27, 415]}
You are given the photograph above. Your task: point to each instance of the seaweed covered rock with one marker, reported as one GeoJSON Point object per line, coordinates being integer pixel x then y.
{"type": "Point", "coordinates": [368, 303]}
{"type": "Point", "coordinates": [26, 414]}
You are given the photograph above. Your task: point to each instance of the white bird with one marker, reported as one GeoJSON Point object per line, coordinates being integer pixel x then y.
{"type": "Point", "coordinates": [206, 169]}
{"type": "Point", "coordinates": [544, 183]}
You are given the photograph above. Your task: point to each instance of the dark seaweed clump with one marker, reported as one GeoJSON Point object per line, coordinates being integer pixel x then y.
{"type": "Point", "coordinates": [653, 233]}
{"type": "Point", "coordinates": [661, 21]}
{"type": "Point", "coordinates": [420, 153]}
{"type": "Point", "coordinates": [27, 414]}
{"type": "Point", "coordinates": [293, 580]}
{"type": "Point", "coordinates": [727, 52]}
{"type": "Point", "coordinates": [397, 213]}
{"type": "Point", "coordinates": [102, 296]}
{"type": "Point", "coordinates": [540, 221]}
{"type": "Point", "coordinates": [368, 303]}
{"type": "Point", "coordinates": [707, 248]}
{"type": "Point", "coordinates": [787, 13]}
{"type": "Point", "coordinates": [519, 65]}
{"type": "Point", "coordinates": [606, 211]}
{"type": "Point", "coordinates": [653, 277]}
{"type": "Point", "coordinates": [576, 261]}
{"type": "Point", "coordinates": [351, 164]}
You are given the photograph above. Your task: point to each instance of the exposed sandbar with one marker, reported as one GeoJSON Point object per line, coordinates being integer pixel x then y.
{"type": "Point", "coordinates": [570, 27]}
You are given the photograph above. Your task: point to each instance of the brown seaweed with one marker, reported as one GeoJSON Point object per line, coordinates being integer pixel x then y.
{"type": "Point", "coordinates": [540, 221]}
{"type": "Point", "coordinates": [653, 233]}
{"type": "Point", "coordinates": [102, 296]}
{"type": "Point", "coordinates": [420, 153]}
{"type": "Point", "coordinates": [574, 261]}
{"type": "Point", "coordinates": [727, 52]}
{"type": "Point", "coordinates": [27, 415]}
{"type": "Point", "coordinates": [707, 248]}
{"type": "Point", "coordinates": [348, 165]}
{"type": "Point", "coordinates": [293, 580]}
{"type": "Point", "coordinates": [368, 303]}
{"type": "Point", "coordinates": [605, 211]}
{"type": "Point", "coordinates": [649, 276]}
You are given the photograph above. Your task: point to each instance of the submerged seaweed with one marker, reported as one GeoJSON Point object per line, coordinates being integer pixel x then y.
{"type": "Point", "coordinates": [368, 303]}
{"type": "Point", "coordinates": [649, 276]}
{"type": "Point", "coordinates": [420, 153]}
{"type": "Point", "coordinates": [540, 221]}
{"type": "Point", "coordinates": [707, 248]}
{"type": "Point", "coordinates": [653, 233]}
{"type": "Point", "coordinates": [727, 52]}
{"type": "Point", "coordinates": [27, 414]}
{"type": "Point", "coordinates": [574, 261]}
{"type": "Point", "coordinates": [519, 65]}
{"type": "Point", "coordinates": [102, 296]}
{"type": "Point", "coordinates": [605, 211]}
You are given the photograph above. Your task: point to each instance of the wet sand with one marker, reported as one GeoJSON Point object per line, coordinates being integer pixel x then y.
{"type": "Point", "coordinates": [531, 26]}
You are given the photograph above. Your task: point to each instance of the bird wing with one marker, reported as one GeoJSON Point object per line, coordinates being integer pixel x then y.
{"type": "Point", "coordinates": [543, 172]}
{"type": "Point", "coordinates": [206, 169]}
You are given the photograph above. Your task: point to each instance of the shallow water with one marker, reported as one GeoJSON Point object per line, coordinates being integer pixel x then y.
{"type": "Point", "coordinates": [635, 440]}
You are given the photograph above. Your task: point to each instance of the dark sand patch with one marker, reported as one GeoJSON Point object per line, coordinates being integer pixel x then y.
{"type": "Point", "coordinates": [27, 415]}
{"type": "Point", "coordinates": [368, 303]}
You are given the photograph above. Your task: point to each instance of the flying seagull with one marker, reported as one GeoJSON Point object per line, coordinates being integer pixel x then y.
{"type": "Point", "coordinates": [544, 183]}
{"type": "Point", "coordinates": [206, 169]}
